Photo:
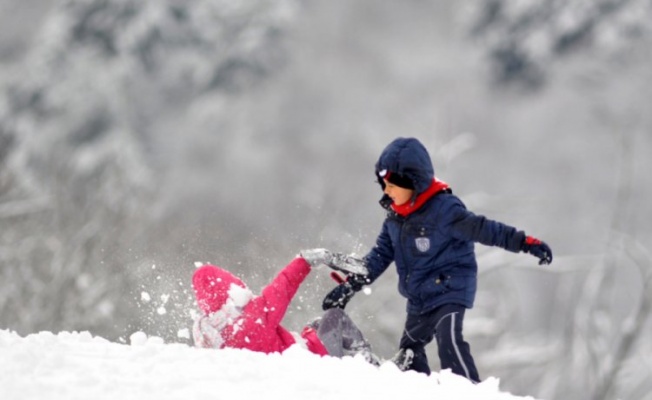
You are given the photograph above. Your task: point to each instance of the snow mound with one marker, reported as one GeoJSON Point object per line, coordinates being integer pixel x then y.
{"type": "Point", "coordinates": [73, 365]}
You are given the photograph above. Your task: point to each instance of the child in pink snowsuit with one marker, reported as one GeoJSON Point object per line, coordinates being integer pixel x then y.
{"type": "Point", "coordinates": [235, 318]}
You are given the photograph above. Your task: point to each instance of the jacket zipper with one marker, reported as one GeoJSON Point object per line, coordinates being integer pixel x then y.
{"type": "Point", "coordinates": [407, 266]}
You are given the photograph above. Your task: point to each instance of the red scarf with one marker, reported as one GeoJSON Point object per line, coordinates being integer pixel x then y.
{"type": "Point", "coordinates": [411, 206]}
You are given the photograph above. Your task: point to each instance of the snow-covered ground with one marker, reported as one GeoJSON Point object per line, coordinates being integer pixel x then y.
{"type": "Point", "coordinates": [72, 365]}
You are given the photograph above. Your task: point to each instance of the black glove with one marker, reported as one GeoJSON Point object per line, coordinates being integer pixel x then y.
{"type": "Point", "coordinates": [538, 249]}
{"type": "Point", "coordinates": [340, 296]}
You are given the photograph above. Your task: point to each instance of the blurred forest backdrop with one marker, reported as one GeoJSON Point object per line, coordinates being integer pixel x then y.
{"type": "Point", "coordinates": [140, 136]}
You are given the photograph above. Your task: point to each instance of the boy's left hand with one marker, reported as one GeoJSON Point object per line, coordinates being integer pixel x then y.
{"type": "Point", "coordinates": [538, 249]}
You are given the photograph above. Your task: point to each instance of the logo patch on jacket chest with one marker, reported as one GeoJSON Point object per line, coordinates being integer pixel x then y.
{"type": "Point", "coordinates": [422, 243]}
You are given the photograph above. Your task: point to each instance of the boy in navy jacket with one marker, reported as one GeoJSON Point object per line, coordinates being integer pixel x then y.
{"type": "Point", "coordinates": [429, 235]}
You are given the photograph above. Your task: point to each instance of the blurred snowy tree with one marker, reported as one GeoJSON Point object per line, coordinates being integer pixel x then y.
{"type": "Point", "coordinates": [139, 136]}
{"type": "Point", "coordinates": [525, 39]}
{"type": "Point", "coordinates": [79, 166]}
{"type": "Point", "coordinates": [602, 49]}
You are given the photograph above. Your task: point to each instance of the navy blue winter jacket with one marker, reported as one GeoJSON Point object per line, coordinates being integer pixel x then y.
{"type": "Point", "coordinates": [433, 246]}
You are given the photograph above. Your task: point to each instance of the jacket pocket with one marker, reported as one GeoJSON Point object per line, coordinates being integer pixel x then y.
{"type": "Point", "coordinates": [435, 286]}
{"type": "Point", "coordinates": [443, 283]}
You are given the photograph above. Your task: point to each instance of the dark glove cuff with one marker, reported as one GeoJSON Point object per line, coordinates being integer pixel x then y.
{"type": "Point", "coordinates": [528, 242]}
{"type": "Point", "coordinates": [356, 282]}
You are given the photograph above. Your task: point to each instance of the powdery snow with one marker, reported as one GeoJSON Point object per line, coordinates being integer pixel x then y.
{"type": "Point", "coordinates": [79, 366]}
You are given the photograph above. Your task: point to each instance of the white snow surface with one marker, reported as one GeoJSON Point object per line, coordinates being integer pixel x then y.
{"type": "Point", "coordinates": [77, 365]}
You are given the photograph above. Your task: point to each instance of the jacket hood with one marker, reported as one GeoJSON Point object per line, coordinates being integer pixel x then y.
{"type": "Point", "coordinates": [409, 158]}
{"type": "Point", "coordinates": [213, 287]}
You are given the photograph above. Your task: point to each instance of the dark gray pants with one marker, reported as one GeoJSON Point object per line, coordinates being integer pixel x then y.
{"type": "Point", "coordinates": [445, 324]}
{"type": "Point", "coordinates": [340, 335]}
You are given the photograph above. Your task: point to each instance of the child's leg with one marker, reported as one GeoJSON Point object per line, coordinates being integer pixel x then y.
{"type": "Point", "coordinates": [419, 331]}
{"type": "Point", "coordinates": [454, 352]}
{"type": "Point", "coordinates": [340, 335]}
{"type": "Point", "coordinates": [330, 332]}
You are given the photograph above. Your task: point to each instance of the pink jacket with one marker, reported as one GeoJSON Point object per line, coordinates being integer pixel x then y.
{"type": "Point", "coordinates": [233, 317]}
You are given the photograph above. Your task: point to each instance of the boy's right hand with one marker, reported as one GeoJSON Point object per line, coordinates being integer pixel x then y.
{"type": "Point", "coordinates": [338, 297]}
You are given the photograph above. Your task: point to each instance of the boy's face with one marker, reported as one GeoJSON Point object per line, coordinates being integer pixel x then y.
{"type": "Point", "coordinates": [398, 194]}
